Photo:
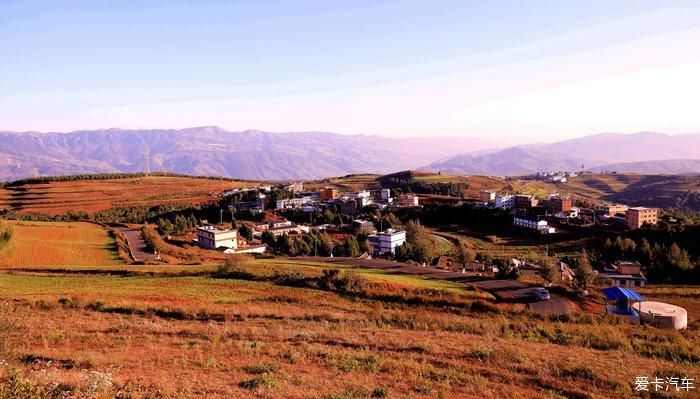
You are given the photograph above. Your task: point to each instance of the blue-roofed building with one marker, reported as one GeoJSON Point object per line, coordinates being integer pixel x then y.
{"type": "Point", "coordinates": [621, 300]}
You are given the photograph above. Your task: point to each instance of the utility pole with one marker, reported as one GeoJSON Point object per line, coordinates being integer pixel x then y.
{"type": "Point", "coordinates": [221, 216]}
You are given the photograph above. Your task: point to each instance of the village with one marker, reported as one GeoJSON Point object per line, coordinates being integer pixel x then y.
{"type": "Point", "coordinates": [359, 217]}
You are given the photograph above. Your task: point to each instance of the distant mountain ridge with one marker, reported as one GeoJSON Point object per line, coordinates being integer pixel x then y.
{"type": "Point", "coordinates": [213, 151]}
{"type": "Point", "coordinates": [645, 152]}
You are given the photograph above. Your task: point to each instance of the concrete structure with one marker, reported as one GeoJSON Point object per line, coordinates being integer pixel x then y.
{"type": "Point", "coordinates": [523, 201]}
{"type": "Point", "coordinates": [611, 209]}
{"type": "Point", "coordinates": [623, 273]}
{"type": "Point", "coordinates": [533, 223]}
{"type": "Point", "coordinates": [387, 241]}
{"type": "Point", "coordinates": [294, 202]}
{"type": "Point", "coordinates": [281, 227]}
{"type": "Point", "coordinates": [294, 187]}
{"type": "Point", "coordinates": [328, 193]}
{"type": "Point", "coordinates": [487, 196]}
{"type": "Point", "coordinates": [557, 203]}
{"type": "Point", "coordinates": [663, 315]}
{"type": "Point", "coordinates": [386, 194]}
{"type": "Point", "coordinates": [363, 227]}
{"type": "Point", "coordinates": [252, 249]}
{"type": "Point", "coordinates": [639, 215]}
{"type": "Point", "coordinates": [406, 200]}
{"type": "Point", "coordinates": [211, 237]}
{"type": "Point", "coordinates": [505, 201]}
{"type": "Point", "coordinates": [362, 198]}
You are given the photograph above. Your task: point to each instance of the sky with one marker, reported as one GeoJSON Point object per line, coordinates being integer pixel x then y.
{"type": "Point", "coordinates": [508, 71]}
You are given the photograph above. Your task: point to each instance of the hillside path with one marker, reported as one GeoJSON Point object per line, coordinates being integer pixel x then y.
{"type": "Point", "coordinates": [137, 245]}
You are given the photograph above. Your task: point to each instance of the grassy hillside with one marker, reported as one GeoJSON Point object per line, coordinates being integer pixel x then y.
{"type": "Point", "coordinates": [58, 197]}
{"type": "Point", "coordinates": [634, 189]}
{"type": "Point", "coordinates": [167, 335]}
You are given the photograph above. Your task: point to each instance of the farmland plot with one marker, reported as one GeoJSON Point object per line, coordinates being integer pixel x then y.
{"type": "Point", "coordinates": [59, 244]}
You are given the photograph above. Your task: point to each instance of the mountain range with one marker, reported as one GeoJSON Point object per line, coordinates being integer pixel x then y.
{"type": "Point", "coordinates": [213, 151]}
{"type": "Point", "coordinates": [644, 152]}
{"type": "Point", "coordinates": [254, 154]}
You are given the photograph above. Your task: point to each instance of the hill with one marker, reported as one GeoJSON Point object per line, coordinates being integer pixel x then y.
{"type": "Point", "coordinates": [213, 151]}
{"type": "Point", "coordinates": [666, 166]}
{"type": "Point", "coordinates": [58, 197]}
{"type": "Point", "coordinates": [632, 189]}
{"type": "Point", "coordinates": [602, 151]}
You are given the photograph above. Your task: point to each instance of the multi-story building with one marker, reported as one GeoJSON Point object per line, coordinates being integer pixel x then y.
{"type": "Point", "coordinates": [523, 201]}
{"type": "Point", "coordinates": [406, 200]}
{"type": "Point", "coordinates": [639, 215]}
{"type": "Point", "coordinates": [362, 198]}
{"type": "Point", "coordinates": [212, 237]}
{"type": "Point", "coordinates": [294, 202]}
{"type": "Point", "coordinates": [295, 187]}
{"type": "Point", "coordinates": [328, 194]}
{"type": "Point", "coordinates": [611, 209]}
{"type": "Point", "coordinates": [387, 241]}
{"type": "Point", "coordinates": [487, 196]}
{"type": "Point", "coordinates": [533, 223]}
{"type": "Point", "coordinates": [505, 201]}
{"type": "Point", "coordinates": [364, 227]}
{"type": "Point", "coordinates": [557, 203]}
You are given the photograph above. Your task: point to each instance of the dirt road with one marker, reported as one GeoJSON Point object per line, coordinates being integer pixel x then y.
{"type": "Point", "coordinates": [137, 245]}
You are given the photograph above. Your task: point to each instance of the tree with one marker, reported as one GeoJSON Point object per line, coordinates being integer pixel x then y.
{"type": "Point", "coordinates": [677, 258]}
{"type": "Point", "coordinates": [506, 270]}
{"type": "Point", "coordinates": [549, 271]}
{"type": "Point", "coordinates": [584, 272]}
{"type": "Point", "coordinates": [352, 247]}
{"type": "Point", "coordinates": [283, 244]}
{"type": "Point", "coordinates": [269, 239]}
{"type": "Point", "coordinates": [246, 232]}
{"type": "Point", "coordinates": [464, 254]}
{"type": "Point", "coordinates": [425, 249]}
{"type": "Point", "coordinates": [6, 233]}
{"type": "Point", "coordinates": [165, 227]}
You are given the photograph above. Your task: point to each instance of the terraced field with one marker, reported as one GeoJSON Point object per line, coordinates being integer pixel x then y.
{"type": "Point", "coordinates": [58, 197]}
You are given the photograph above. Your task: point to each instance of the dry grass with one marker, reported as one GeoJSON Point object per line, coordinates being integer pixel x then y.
{"type": "Point", "coordinates": [59, 244]}
{"type": "Point", "coordinates": [170, 336]}
{"type": "Point", "coordinates": [56, 198]}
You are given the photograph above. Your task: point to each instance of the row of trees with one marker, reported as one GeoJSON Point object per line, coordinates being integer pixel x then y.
{"type": "Point", "coordinates": [321, 244]}
{"type": "Point", "coordinates": [661, 262]}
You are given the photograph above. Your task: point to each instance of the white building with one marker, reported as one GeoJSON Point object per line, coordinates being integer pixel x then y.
{"type": "Point", "coordinates": [487, 196]}
{"type": "Point", "coordinates": [294, 202]}
{"type": "Point", "coordinates": [533, 223]}
{"type": "Point", "coordinates": [211, 237]}
{"type": "Point", "coordinates": [387, 241]}
{"type": "Point", "coordinates": [362, 198]}
{"type": "Point", "coordinates": [505, 201]}
{"type": "Point", "coordinates": [386, 194]}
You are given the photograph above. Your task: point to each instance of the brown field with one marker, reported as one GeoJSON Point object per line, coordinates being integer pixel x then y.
{"type": "Point", "coordinates": [59, 244]}
{"type": "Point", "coordinates": [56, 198]}
{"type": "Point", "coordinates": [170, 335]}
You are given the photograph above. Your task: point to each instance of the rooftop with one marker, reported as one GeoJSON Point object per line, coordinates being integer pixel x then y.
{"type": "Point", "coordinates": [619, 293]}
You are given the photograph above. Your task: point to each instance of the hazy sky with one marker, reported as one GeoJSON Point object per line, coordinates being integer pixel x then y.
{"type": "Point", "coordinates": [505, 70]}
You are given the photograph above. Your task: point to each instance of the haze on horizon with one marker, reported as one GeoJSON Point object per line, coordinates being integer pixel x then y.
{"type": "Point", "coordinates": [501, 70]}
